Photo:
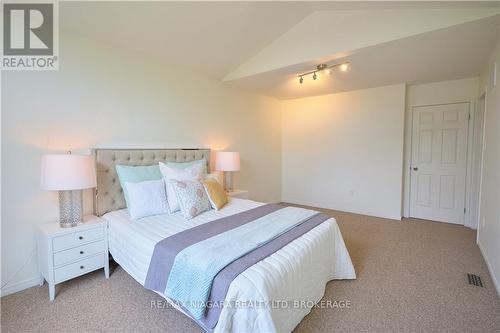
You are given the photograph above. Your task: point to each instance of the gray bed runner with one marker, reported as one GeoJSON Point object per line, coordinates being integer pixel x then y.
{"type": "Point", "coordinates": [167, 249]}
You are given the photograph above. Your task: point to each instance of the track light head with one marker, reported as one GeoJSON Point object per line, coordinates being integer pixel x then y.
{"type": "Point", "coordinates": [325, 68]}
{"type": "Point", "coordinates": [344, 67]}
{"type": "Point", "coordinates": [321, 67]}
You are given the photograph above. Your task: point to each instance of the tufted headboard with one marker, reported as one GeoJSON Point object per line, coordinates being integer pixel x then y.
{"type": "Point", "coordinates": [109, 194]}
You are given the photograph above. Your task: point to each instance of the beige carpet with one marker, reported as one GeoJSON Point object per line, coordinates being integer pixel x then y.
{"type": "Point", "coordinates": [411, 277]}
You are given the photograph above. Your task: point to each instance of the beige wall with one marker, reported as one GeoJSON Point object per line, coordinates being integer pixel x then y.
{"type": "Point", "coordinates": [489, 208]}
{"type": "Point", "coordinates": [322, 151]}
{"type": "Point", "coordinates": [345, 151]}
{"type": "Point", "coordinates": [102, 97]}
{"type": "Point", "coordinates": [455, 91]}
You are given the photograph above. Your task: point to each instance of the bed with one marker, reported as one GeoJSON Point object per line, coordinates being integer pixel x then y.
{"type": "Point", "coordinates": [282, 283]}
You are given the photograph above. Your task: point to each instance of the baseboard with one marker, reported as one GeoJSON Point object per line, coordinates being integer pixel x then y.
{"type": "Point", "coordinates": [490, 269]}
{"type": "Point", "coordinates": [18, 286]}
{"type": "Point", "coordinates": [311, 205]}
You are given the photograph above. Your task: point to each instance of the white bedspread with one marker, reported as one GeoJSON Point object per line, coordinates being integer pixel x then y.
{"type": "Point", "coordinates": [297, 272]}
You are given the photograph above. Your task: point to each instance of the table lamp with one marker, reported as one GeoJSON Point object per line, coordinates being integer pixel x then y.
{"type": "Point", "coordinates": [228, 162]}
{"type": "Point", "coordinates": [69, 174]}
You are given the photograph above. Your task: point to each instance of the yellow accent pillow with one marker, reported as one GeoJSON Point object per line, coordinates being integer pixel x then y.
{"type": "Point", "coordinates": [216, 193]}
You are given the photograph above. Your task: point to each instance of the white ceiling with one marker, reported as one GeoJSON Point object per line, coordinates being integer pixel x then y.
{"type": "Point", "coordinates": [215, 38]}
{"type": "Point", "coordinates": [212, 38]}
{"type": "Point", "coordinates": [326, 33]}
{"type": "Point", "coordinates": [453, 53]}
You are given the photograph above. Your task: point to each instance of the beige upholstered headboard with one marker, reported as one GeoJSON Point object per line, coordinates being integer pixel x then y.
{"type": "Point", "coordinates": [109, 194]}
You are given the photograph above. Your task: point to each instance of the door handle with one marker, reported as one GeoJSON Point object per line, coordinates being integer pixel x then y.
{"type": "Point", "coordinates": [415, 168]}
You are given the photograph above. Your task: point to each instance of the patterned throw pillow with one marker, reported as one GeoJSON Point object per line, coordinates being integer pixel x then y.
{"type": "Point", "coordinates": [192, 172]}
{"type": "Point", "coordinates": [192, 198]}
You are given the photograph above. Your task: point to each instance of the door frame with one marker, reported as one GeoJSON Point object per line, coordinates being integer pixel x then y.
{"type": "Point", "coordinates": [408, 154]}
{"type": "Point", "coordinates": [477, 166]}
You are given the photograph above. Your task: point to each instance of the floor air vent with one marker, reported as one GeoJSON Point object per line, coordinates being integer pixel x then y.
{"type": "Point", "coordinates": [474, 280]}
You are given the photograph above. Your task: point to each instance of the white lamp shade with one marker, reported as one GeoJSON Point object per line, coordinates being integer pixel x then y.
{"type": "Point", "coordinates": [67, 172]}
{"type": "Point", "coordinates": [227, 161]}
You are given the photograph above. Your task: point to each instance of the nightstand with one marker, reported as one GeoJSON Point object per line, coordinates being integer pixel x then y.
{"type": "Point", "coordinates": [241, 194]}
{"type": "Point", "coordinates": [65, 253]}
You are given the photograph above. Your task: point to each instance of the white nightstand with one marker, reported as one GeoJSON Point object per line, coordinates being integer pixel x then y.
{"type": "Point", "coordinates": [242, 194]}
{"type": "Point", "coordinates": [65, 253]}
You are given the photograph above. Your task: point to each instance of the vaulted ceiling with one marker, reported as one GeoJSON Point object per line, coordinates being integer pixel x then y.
{"type": "Point", "coordinates": [452, 53]}
{"type": "Point", "coordinates": [262, 46]}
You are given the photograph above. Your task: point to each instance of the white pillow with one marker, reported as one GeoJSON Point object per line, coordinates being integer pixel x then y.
{"type": "Point", "coordinates": [193, 172]}
{"type": "Point", "coordinates": [183, 165]}
{"type": "Point", "coordinates": [146, 198]}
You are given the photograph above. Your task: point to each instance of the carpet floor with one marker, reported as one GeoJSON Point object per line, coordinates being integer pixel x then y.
{"type": "Point", "coordinates": [411, 276]}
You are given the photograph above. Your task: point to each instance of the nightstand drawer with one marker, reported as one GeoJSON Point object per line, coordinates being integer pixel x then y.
{"type": "Point", "coordinates": [77, 238]}
{"type": "Point", "coordinates": [78, 268]}
{"type": "Point", "coordinates": [66, 253]}
{"type": "Point", "coordinates": [76, 253]}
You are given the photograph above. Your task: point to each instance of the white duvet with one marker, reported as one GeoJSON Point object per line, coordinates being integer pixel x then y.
{"type": "Point", "coordinates": [287, 280]}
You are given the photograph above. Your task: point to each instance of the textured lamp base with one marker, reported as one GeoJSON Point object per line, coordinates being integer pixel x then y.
{"type": "Point", "coordinates": [70, 208]}
{"type": "Point", "coordinates": [228, 181]}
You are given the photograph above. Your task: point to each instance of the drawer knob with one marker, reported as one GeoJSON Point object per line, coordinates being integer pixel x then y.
{"type": "Point", "coordinates": [81, 267]}
{"type": "Point", "coordinates": [81, 237]}
{"type": "Point", "coordinates": [81, 252]}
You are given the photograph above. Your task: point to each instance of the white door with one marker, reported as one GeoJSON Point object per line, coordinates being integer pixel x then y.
{"type": "Point", "coordinates": [439, 162]}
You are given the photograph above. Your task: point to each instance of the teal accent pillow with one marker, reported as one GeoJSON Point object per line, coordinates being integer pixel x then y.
{"type": "Point", "coordinates": [183, 165]}
{"type": "Point", "coordinates": [136, 174]}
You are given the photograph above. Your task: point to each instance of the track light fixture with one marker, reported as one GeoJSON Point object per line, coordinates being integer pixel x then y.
{"type": "Point", "coordinates": [328, 69]}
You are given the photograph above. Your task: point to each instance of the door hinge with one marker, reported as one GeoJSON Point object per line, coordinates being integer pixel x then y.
{"type": "Point", "coordinates": [465, 210]}
{"type": "Point", "coordinates": [469, 116]}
